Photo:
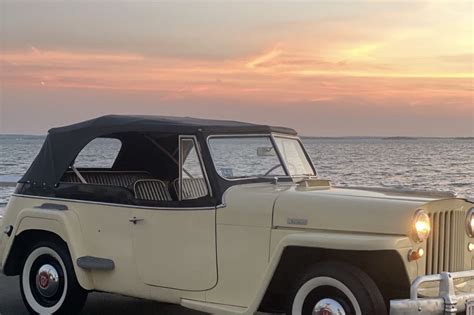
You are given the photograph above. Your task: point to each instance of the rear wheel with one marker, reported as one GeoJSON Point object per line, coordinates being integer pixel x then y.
{"type": "Point", "coordinates": [48, 282]}
{"type": "Point", "coordinates": [335, 288]}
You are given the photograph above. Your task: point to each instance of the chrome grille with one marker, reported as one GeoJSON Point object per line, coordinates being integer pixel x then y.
{"type": "Point", "coordinates": [444, 251]}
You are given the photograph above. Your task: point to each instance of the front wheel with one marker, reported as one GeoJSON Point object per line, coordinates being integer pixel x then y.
{"type": "Point", "coordinates": [48, 282]}
{"type": "Point", "coordinates": [335, 288]}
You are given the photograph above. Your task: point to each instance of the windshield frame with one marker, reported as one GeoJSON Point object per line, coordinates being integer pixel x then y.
{"type": "Point", "coordinates": [306, 154]}
{"type": "Point", "coordinates": [271, 137]}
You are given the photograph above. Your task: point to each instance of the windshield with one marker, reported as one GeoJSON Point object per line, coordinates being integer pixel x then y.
{"type": "Point", "coordinates": [294, 155]}
{"type": "Point", "coordinates": [241, 157]}
{"type": "Point", "coordinates": [255, 156]}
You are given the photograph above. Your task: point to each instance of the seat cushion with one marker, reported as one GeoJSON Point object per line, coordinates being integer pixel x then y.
{"type": "Point", "coordinates": [152, 190]}
{"type": "Point", "coordinates": [193, 188]}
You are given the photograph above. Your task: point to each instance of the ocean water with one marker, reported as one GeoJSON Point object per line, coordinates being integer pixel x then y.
{"type": "Point", "coordinates": [425, 163]}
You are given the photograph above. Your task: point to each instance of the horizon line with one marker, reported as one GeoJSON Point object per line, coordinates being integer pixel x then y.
{"type": "Point", "coordinates": [394, 137]}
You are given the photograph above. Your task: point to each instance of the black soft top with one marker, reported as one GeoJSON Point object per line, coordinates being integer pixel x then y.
{"type": "Point", "coordinates": [63, 144]}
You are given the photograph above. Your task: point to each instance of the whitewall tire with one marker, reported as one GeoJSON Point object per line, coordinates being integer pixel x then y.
{"type": "Point", "coordinates": [48, 282]}
{"type": "Point", "coordinates": [331, 300]}
{"type": "Point", "coordinates": [335, 288]}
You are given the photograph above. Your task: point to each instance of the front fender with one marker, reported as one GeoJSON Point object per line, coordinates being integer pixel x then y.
{"type": "Point", "coordinates": [64, 224]}
{"type": "Point", "coordinates": [284, 238]}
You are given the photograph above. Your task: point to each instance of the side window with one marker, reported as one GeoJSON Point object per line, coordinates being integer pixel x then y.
{"type": "Point", "coordinates": [191, 183]}
{"type": "Point", "coordinates": [99, 153]}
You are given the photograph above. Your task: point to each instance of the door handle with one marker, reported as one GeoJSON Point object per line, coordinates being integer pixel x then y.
{"type": "Point", "coordinates": [134, 220]}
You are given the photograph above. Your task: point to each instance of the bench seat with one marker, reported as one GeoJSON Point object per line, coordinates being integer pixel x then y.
{"type": "Point", "coordinates": [110, 178]}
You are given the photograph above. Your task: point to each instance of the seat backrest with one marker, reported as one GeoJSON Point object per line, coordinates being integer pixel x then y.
{"type": "Point", "coordinates": [152, 190]}
{"type": "Point", "coordinates": [111, 178]}
{"type": "Point", "coordinates": [193, 188]}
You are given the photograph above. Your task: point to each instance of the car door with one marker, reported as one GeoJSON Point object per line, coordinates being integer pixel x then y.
{"type": "Point", "coordinates": [175, 247]}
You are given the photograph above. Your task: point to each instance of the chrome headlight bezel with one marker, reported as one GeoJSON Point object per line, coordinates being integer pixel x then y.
{"type": "Point", "coordinates": [421, 226]}
{"type": "Point", "coordinates": [470, 223]}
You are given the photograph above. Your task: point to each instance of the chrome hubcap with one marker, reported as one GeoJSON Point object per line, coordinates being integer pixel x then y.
{"type": "Point", "coordinates": [47, 281]}
{"type": "Point", "coordinates": [328, 307]}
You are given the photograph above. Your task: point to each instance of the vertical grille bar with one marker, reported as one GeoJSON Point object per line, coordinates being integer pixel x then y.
{"type": "Point", "coordinates": [441, 242]}
{"type": "Point", "coordinates": [452, 237]}
{"type": "Point", "coordinates": [460, 241]}
{"type": "Point", "coordinates": [444, 250]}
{"type": "Point", "coordinates": [435, 242]}
{"type": "Point", "coordinates": [447, 241]}
{"type": "Point", "coordinates": [430, 250]}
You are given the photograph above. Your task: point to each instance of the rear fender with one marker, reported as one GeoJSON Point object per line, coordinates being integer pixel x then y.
{"type": "Point", "coordinates": [63, 224]}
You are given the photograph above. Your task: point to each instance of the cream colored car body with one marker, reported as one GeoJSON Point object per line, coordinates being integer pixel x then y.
{"type": "Point", "coordinates": [222, 260]}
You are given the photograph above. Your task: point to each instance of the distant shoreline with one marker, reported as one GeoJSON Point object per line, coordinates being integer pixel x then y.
{"type": "Point", "coordinates": [10, 135]}
{"type": "Point", "coordinates": [387, 138]}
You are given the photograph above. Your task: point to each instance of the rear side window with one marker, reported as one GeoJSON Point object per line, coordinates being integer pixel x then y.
{"type": "Point", "coordinates": [99, 153]}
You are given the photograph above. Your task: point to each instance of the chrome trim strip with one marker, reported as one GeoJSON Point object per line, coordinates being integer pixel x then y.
{"type": "Point", "coordinates": [118, 204]}
{"type": "Point", "coordinates": [416, 192]}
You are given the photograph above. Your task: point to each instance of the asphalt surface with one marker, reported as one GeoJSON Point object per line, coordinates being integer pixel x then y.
{"type": "Point", "coordinates": [97, 303]}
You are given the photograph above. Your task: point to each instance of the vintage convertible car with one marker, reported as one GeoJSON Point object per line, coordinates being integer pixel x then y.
{"type": "Point", "coordinates": [229, 218]}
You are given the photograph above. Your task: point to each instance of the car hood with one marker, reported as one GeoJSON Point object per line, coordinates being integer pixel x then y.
{"type": "Point", "coordinates": [349, 209]}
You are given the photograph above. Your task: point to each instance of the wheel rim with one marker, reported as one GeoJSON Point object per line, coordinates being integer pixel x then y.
{"type": "Point", "coordinates": [325, 296]}
{"type": "Point", "coordinates": [44, 281]}
{"type": "Point", "coordinates": [328, 307]}
{"type": "Point", "coordinates": [47, 281]}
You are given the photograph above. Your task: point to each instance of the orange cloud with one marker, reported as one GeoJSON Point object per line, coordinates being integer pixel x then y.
{"type": "Point", "coordinates": [274, 76]}
{"type": "Point", "coordinates": [264, 59]}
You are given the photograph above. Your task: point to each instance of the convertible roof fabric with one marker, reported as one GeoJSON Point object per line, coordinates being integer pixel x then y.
{"type": "Point", "coordinates": [63, 144]}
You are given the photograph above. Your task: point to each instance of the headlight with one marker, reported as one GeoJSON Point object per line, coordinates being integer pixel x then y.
{"type": "Point", "coordinates": [421, 226]}
{"type": "Point", "coordinates": [470, 222]}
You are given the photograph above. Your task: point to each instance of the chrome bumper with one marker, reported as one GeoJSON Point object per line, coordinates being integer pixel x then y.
{"type": "Point", "coordinates": [446, 303]}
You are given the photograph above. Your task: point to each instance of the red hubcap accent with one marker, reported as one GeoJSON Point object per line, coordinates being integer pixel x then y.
{"type": "Point", "coordinates": [44, 280]}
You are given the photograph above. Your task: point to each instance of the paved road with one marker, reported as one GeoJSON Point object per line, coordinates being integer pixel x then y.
{"type": "Point", "coordinates": [97, 303]}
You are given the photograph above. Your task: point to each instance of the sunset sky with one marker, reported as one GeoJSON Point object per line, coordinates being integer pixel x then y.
{"type": "Point", "coordinates": [325, 68]}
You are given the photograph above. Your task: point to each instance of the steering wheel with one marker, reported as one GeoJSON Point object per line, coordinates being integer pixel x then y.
{"type": "Point", "coordinates": [272, 169]}
{"type": "Point", "coordinates": [290, 165]}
